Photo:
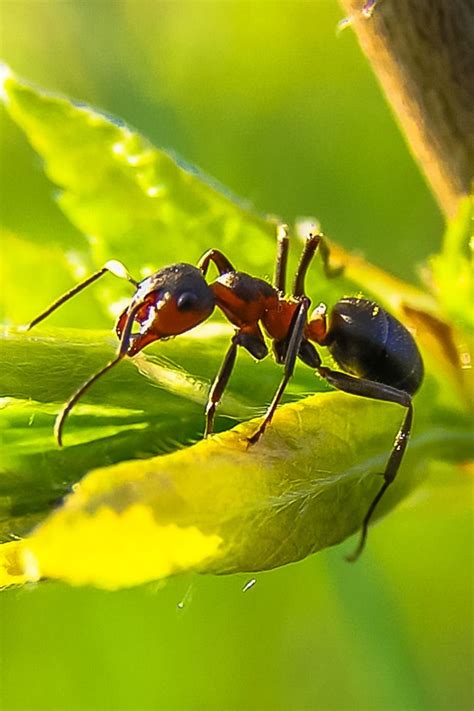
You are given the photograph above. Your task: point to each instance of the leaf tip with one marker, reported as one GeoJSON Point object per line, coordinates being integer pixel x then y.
{"type": "Point", "coordinates": [114, 549]}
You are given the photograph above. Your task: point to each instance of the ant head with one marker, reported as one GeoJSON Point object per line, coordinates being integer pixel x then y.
{"type": "Point", "coordinates": [173, 300]}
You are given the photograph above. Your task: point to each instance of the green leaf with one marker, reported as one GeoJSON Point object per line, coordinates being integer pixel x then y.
{"type": "Point", "coordinates": [221, 507]}
{"type": "Point", "coordinates": [20, 258]}
{"type": "Point", "coordinates": [132, 199]}
{"type": "Point", "coordinates": [452, 269]}
{"type": "Point", "coordinates": [126, 415]}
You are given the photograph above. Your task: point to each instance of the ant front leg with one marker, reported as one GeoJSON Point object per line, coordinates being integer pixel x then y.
{"type": "Point", "coordinates": [218, 386]}
{"type": "Point", "coordinates": [218, 258]}
{"type": "Point", "coordinates": [375, 391]}
{"type": "Point", "coordinates": [251, 341]}
{"type": "Point", "coordinates": [113, 267]}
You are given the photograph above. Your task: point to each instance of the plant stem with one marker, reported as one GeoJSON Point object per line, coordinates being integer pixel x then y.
{"type": "Point", "coordinates": [422, 53]}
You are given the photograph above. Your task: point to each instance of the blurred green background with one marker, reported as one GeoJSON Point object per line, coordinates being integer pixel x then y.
{"type": "Point", "coordinates": [267, 99]}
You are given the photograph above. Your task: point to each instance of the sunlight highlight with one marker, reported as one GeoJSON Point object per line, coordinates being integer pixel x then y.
{"type": "Point", "coordinates": [5, 73]}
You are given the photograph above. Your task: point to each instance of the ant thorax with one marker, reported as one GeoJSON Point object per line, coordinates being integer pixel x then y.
{"type": "Point", "coordinates": [244, 299]}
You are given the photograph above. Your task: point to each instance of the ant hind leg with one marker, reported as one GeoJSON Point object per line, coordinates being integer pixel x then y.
{"type": "Point", "coordinates": [375, 391]}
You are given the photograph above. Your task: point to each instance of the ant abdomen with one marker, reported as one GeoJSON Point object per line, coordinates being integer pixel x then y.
{"type": "Point", "coordinates": [368, 342]}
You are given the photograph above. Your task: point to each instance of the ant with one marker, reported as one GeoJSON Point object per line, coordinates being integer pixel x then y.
{"type": "Point", "coordinates": [378, 356]}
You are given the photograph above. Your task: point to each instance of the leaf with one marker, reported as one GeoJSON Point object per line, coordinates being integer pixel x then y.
{"type": "Point", "coordinates": [125, 416]}
{"type": "Point", "coordinates": [222, 508]}
{"type": "Point", "coordinates": [452, 269]}
{"type": "Point", "coordinates": [133, 199]}
{"type": "Point", "coordinates": [19, 257]}
{"type": "Point", "coordinates": [448, 355]}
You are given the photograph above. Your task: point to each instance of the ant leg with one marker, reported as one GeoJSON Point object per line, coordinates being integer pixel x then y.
{"type": "Point", "coordinates": [376, 391]}
{"type": "Point", "coordinates": [220, 260]}
{"type": "Point", "coordinates": [250, 338]}
{"type": "Point", "coordinates": [309, 250]}
{"type": "Point", "coordinates": [122, 352]}
{"type": "Point", "coordinates": [296, 338]}
{"type": "Point", "coordinates": [391, 470]}
{"type": "Point", "coordinates": [113, 266]}
{"type": "Point", "coordinates": [283, 243]}
{"type": "Point", "coordinates": [219, 385]}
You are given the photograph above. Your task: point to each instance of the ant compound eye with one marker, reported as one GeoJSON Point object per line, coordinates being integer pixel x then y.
{"type": "Point", "coordinates": [186, 301]}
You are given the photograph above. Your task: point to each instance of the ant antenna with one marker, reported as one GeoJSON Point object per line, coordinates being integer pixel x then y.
{"type": "Point", "coordinates": [112, 266]}
{"type": "Point", "coordinates": [123, 348]}
{"type": "Point", "coordinates": [283, 243]}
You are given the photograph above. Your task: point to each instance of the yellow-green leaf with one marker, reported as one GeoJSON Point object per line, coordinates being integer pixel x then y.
{"type": "Point", "coordinates": [452, 269]}
{"type": "Point", "coordinates": [221, 507]}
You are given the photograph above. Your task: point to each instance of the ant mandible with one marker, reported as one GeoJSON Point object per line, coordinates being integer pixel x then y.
{"type": "Point", "coordinates": [377, 355]}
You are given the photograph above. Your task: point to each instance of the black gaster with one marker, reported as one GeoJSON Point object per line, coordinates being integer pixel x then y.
{"type": "Point", "coordinates": [368, 342]}
{"type": "Point", "coordinates": [402, 366]}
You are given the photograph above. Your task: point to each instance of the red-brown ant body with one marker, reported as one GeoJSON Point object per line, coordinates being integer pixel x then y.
{"type": "Point", "coordinates": [377, 355]}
